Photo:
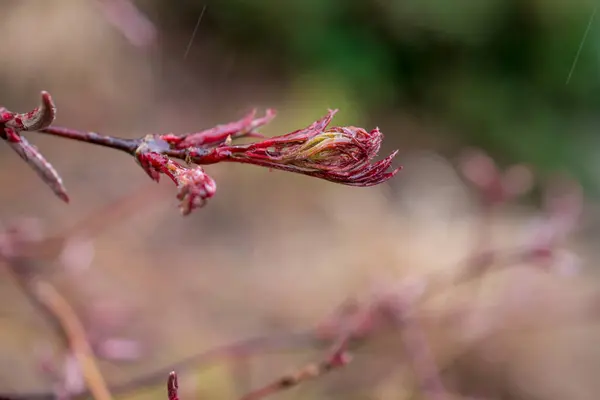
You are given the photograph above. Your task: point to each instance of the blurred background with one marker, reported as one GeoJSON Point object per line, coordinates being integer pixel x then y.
{"type": "Point", "coordinates": [275, 252]}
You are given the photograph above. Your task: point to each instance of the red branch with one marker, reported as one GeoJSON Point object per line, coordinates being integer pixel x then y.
{"type": "Point", "coordinates": [338, 154]}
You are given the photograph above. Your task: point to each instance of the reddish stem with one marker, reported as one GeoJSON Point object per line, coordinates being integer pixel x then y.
{"type": "Point", "coordinates": [126, 145]}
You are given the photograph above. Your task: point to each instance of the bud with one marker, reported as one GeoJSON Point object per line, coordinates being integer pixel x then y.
{"type": "Point", "coordinates": [39, 118]}
{"type": "Point", "coordinates": [194, 186]}
{"type": "Point", "coordinates": [11, 126]}
{"type": "Point", "coordinates": [172, 386]}
{"type": "Point", "coordinates": [337, 154]}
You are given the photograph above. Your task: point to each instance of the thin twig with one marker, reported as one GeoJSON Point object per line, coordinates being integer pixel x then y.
{"type": "Point", "coordinates": [77, 337]}
{"type": "Point", "coordinates": [420, 356]}
{"type": "Point", "coordinates": [126, 145]}
{"type": "Point", "coordinates": [257, 345]}
{"type": "Point", "coordinates": [62, 316]}
{"type": "Point", "coordinates": [343, 155]}
{"type": "Point", "coordinates": [337, 358]}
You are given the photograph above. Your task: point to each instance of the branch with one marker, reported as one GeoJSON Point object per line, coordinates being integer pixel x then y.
{"type": "Point", "coordinates": [126, 145]}
{"type": "Point", "coordinates": [243, 348]}
{"type": "Point", "coordinates": [417, 349]}
{"type": "Point", "coordinates": [12, 124]}
{"type": "Point", "coordinates": [338, 154]}
{"type": "Point", "coordinates": [337, 358]}
{"type": "Point", "coordinates": [23, 252]}
{"type": "Point", "coordinates": [76, 334]}
{"type": "Point", "coordinates": [62, 316]}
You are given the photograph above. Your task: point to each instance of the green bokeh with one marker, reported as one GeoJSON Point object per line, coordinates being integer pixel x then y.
{"type": "Point", "coordinates": [494, 70]}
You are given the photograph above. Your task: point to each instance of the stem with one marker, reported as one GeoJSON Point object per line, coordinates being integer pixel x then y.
{"type": "Point", "coordinates": [258, 345]}
{"type": "Point", "coordinates": [78, 342]}
{"type": "Point", "coordinates": [338, 357]}
{"type": "Point", "coordinates": [227, 154]}
{"type": "Point", "coordinates": [64, 319]}
{"type": "Point", "coordinates": [126, 145]}
{"type": "Point", "coordinates": [419, 353]}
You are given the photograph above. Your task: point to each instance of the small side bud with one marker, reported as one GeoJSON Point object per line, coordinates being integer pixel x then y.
{"type": "Point", "coordinates": [194, 186]}
{"type": "Point", "coordinates": [172, 386]}
{"type": "Point", "coordinates": [39, 118]}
